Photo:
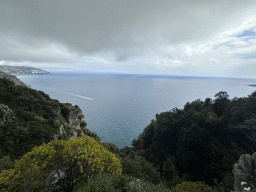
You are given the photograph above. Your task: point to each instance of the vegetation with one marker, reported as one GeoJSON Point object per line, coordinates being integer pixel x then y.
{"type": "Point", "coordinates": [183, 149]}
{"type": "Point", "coordinates": [193, 186]}
{"type": "Point", "coordinates": [106, 182]}
{"type": "Point", "coordinates": [202, 141]}
{"type": "Point", "coordinates": [78, 158]}
{"type": "Point", "coordinates": [37, 119]}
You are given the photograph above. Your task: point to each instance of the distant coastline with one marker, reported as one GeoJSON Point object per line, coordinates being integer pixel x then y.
{"type": "Point", "coordinates": [22, 70]}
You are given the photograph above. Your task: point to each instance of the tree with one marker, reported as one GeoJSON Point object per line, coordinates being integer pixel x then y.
{"type": "Point", "coordinates": [71, 162]}
{"type": "Point", "coordinates": [221, 95]}
{"type": "Point", "coordinates": [220, 103]}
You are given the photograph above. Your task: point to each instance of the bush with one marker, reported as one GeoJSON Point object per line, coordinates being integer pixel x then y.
{"type": "Point", "coordinates": [105, 182]}
{"type": "Point", "coordinates": [193, 187]}
{"type": "Point", "coordinates": [110, 147]}
{"type": "Point", "coordinates": [79, 158]}
{"type": "Point", "coordinates": [140, 168]}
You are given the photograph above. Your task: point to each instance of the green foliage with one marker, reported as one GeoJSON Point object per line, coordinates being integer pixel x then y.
{"type": "Point", "coordinates": [200, 142]}
{"type": "Point", "coordinates": [91, 134]}
{"type": "Point", "coordinates": [78, 158]}
{"type": "Point", "coordinates": [106, 182]}
{"type": "Point", "coordinates": [6, 163]}
{"type": "Point", "coordinates": [64, 111]}
{"type": "Point", "coordinates": [37, 119]}
{"type": "Point", "coordinates": [79, 133]}
{"type": "Point", "coordinates": [220, 103]}
{"type": "Point", "coordinates": [193, 187]}
{"type": "Point", "coordinates": [83, 124]}
{"type": "Point", "coordinates": [139, 167]}
{"type": "Point", "coordinates": [110, 147]}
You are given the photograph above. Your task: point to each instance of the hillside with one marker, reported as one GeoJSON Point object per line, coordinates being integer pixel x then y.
{"type": "Point", "coordinates": [200, 142]}
{"type": "Point", "coordinates": [29, 118]}
{"type": "Point", "coordinates": [22, 70]}
{"type": "Point", "coordinates": [13, 78]}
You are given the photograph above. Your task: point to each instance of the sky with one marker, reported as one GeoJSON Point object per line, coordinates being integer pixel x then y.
{"type": "Point", "coordinates": [215, 38]}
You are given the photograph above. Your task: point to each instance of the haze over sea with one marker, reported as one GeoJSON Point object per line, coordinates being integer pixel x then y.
{"type": "Point", "coordinates": [119, 106]}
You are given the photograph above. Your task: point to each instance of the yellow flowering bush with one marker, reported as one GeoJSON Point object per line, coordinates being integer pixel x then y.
{"type": "Point", "coordinates": [78, 158]}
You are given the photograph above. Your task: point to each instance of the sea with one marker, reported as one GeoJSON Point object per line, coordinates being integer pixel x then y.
{"type": "Point", "coordinates": [118, 107]}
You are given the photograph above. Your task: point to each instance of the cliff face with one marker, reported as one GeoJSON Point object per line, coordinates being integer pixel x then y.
{"type": "Point", "coordinates": [75, 125]}
{"type": "Point", "coordinates": [74, 122]}
{"type": "Point", "coordinates": [75, 119]}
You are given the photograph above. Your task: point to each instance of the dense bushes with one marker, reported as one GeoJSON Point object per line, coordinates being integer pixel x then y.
{"type": "Point", "coordinates": [139, 167]}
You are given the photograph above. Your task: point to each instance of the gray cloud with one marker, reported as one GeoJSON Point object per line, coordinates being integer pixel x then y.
{"type": "Point", "coordinates": [65, 31]}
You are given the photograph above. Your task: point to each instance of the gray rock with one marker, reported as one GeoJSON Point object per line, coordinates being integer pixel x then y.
{"type": "Point", "coordinates": [245, 173]}
{"type": "Point", "coordinates": [54, 177]}
{"type": "Point", "coordinates": [135, 186]}
{"type": "Point", "coordinates": [6, 114]}
{"type": "Point", "coordinates": [74, 121]}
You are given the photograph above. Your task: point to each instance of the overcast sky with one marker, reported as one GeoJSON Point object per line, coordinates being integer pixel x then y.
{"type": "Point", "coordinates": [172, 37]}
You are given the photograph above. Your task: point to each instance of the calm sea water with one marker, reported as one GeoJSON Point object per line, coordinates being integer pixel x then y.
{"type": "Point", "coordinates": [118, 107]}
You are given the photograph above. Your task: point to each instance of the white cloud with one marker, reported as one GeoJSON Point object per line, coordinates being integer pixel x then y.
{"type": "Point", "coordinates": [214, 60]}
{"type": "Point", "coordinates": [165, 62]}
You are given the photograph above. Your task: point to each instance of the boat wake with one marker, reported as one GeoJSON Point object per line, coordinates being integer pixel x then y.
{"type": "Point", "coordinates": [76, 95]}
{"type": "Point", "coordinates": [83, 97]}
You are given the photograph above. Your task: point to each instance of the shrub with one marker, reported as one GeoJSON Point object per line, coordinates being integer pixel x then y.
{"type": "Point", "coordinates": [79, 158]}
{"type": "Point", "coordinates": [106, 182]}
{"type": "Point", "coordinates": [193, 187]}
{"type": "Point", "coordinates": [140, 168]}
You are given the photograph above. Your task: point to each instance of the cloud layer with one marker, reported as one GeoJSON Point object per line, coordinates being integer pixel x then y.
{"type": "Point", "coordinates": [203, 37]}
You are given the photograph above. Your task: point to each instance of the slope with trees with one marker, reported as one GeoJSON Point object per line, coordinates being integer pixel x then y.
{"type": "Point", "coordinates": [34, 119]}
{"type": "Point", "coordinates": [202, 141]}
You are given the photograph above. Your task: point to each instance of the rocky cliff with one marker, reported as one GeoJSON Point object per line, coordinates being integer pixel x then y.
{"type": "Point", "coordinates": [75, 120]}
{"type": "Point", "coordinates": [70, 119]}
{"type": "Point", "coordinates": [74, 125]}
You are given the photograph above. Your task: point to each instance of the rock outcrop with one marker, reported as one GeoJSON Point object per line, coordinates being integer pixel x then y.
{"type": "Point", "coordinates": [54, 177]}
{"type": "Point", "coordinates": [74, 122]}
{"type": "Point", "coordinates": [245, 173]}
{"type": "Point", "coordinates": [75, 119]}
{"type": "Point", "coordinates": [6, 114]}
{"type": "Point", "coordinates": [135, 186]}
